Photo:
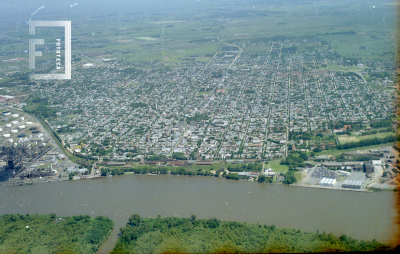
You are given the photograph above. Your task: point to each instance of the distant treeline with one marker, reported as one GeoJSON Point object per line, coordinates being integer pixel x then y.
{"type": "Point", "coordinates": [367, 142]}
{"type": "Point", "coordinates": [189, 235]}
{"type": "Point", "coordinates": [50, 234]}
{"type": "Point", "coordinates": [340, 33]}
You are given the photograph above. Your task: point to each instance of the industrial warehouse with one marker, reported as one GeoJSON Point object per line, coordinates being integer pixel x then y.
{"type": "Point", "coordinates": [352, 184]}
{"type": "Point", "coordinates": [327, 182]}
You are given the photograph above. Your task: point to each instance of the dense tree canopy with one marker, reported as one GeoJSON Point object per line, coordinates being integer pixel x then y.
{"type": "Point", "coordinates": [241, 167]}
{"type": "Point", "coordinates": [190, 235]}
{"type": "Point", "coordinates": [290, 178]}
{"type": "Point", "coordinates": [179, 156]}
{"type": "Point", "coordinates": [50, 234]}
{"type": "Point", "coordinates": [367, 142]}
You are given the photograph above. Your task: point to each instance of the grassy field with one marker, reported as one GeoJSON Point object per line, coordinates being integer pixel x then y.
{"type": "Point", "coordinates": [275, 165]}
{"type": "Point", "coordinates": [343, 139]}
{"type": "Point", "coordinates": [349, 27]}
{"type": "Point", "coordinates": [299, 176]}
{"type": "Point", "coordinates": [72, 116]}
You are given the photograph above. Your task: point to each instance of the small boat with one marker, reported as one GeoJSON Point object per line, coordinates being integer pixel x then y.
{"type": "Point", "coordinates": [151, 174]}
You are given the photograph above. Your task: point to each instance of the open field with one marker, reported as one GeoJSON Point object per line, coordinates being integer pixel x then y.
{"type": "Point", "coordinates": [275, 165]}
{"type": "Point", "coordinates": [346, 139]}
{"type": "Point", "coordinates": [349, 27]}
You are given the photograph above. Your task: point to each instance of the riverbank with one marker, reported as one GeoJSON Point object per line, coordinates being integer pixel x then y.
{"type": "Point", "coordinates": [92, 177]}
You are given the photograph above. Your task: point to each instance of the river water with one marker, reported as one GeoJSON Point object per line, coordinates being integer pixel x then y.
{"type": "Point", "coordinates": [360, 215]}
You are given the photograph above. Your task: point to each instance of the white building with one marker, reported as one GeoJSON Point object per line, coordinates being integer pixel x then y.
{"type": "Point", "coordinates": [376, 162]}
{"type": "Point", "coordinates": [327, 182]}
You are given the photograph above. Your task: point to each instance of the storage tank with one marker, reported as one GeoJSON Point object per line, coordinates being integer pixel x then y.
{"type": "Point", "coordinates": [22, 118]}
{"type": "Point", "coordinates": [14, 131]}
{"type": "Point", "coordinates": [21, 127]}
{"type": "Point", "coordinates": [35, 131]}
{"type": "Point", "coordinates": [28, 123]}
{"type": "Point", "coordinates": [33, 128]}
{"type": "Point", "coordinates": [14, 122]}
{"type": "Point", "coordinates": [7, 135]}
{"type": "Point", "coordinates": [15, 115]}
{"type": "Point", "coordinates": [10, 140]}
{"type": "Point", "coordinates": [8, 125]}
{"type": "Point", "coordinates": [1, 129]}
{"type": "Point", "coordinates": [21, 135]}
{"type": "Point", "coordinates": [6, 113]}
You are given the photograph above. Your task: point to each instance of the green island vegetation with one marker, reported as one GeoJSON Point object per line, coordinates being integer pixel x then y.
{"type": "Point", "coordinates": [189, 235]}
{"type": "Point", "coordinates": [51, 234]}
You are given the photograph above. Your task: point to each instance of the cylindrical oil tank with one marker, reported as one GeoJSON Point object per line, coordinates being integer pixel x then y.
{"type": "Point", "coordinates": [22, 118]}
{"type": "Point", "coordinates": [7, 135]}
{"type": "Point", "coordinates": [10, 140]}
{"type": "Point", "coordinates": [36, 131]}
{"type": "Point", "coordinates": [15, 115]}
{"type": "Point", "coordinates": [14, 122]}
{"type": "Point", "coordinates": [33, 128]}
{"type": "Point", "coordinates": [21, 135]}
{"type": "Point", "coordinates": [8, 125]}
{"type": "Point", "coordinates": [21, 127]}
{"type": "Point", "coordinates": [28, 123]}
{"type": "Point", "coordinates": [14, 131]}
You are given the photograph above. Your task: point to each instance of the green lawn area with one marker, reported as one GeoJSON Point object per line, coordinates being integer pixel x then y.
{"type": "Point", "coordinates": [378, 135]}
{"type": "Point", "coordinates": [299, 176]}
{"type": "Point", "coordinates": [275, 165]}
{"type": "Point", "coordinates": [45, 165]}
{"type": "Point", "coordinates": [354, 138]}
{"type": "Point", "coordinates": [70, 116]}
{"type": "Point", "coordinates": [215, 166]}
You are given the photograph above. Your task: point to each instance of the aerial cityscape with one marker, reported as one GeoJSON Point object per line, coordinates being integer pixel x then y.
{"type": "Point", "coordinates": [307, 100]}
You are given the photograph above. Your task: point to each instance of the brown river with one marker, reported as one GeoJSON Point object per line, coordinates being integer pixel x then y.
{"type": "Point", "coordinates": [361, 215]}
